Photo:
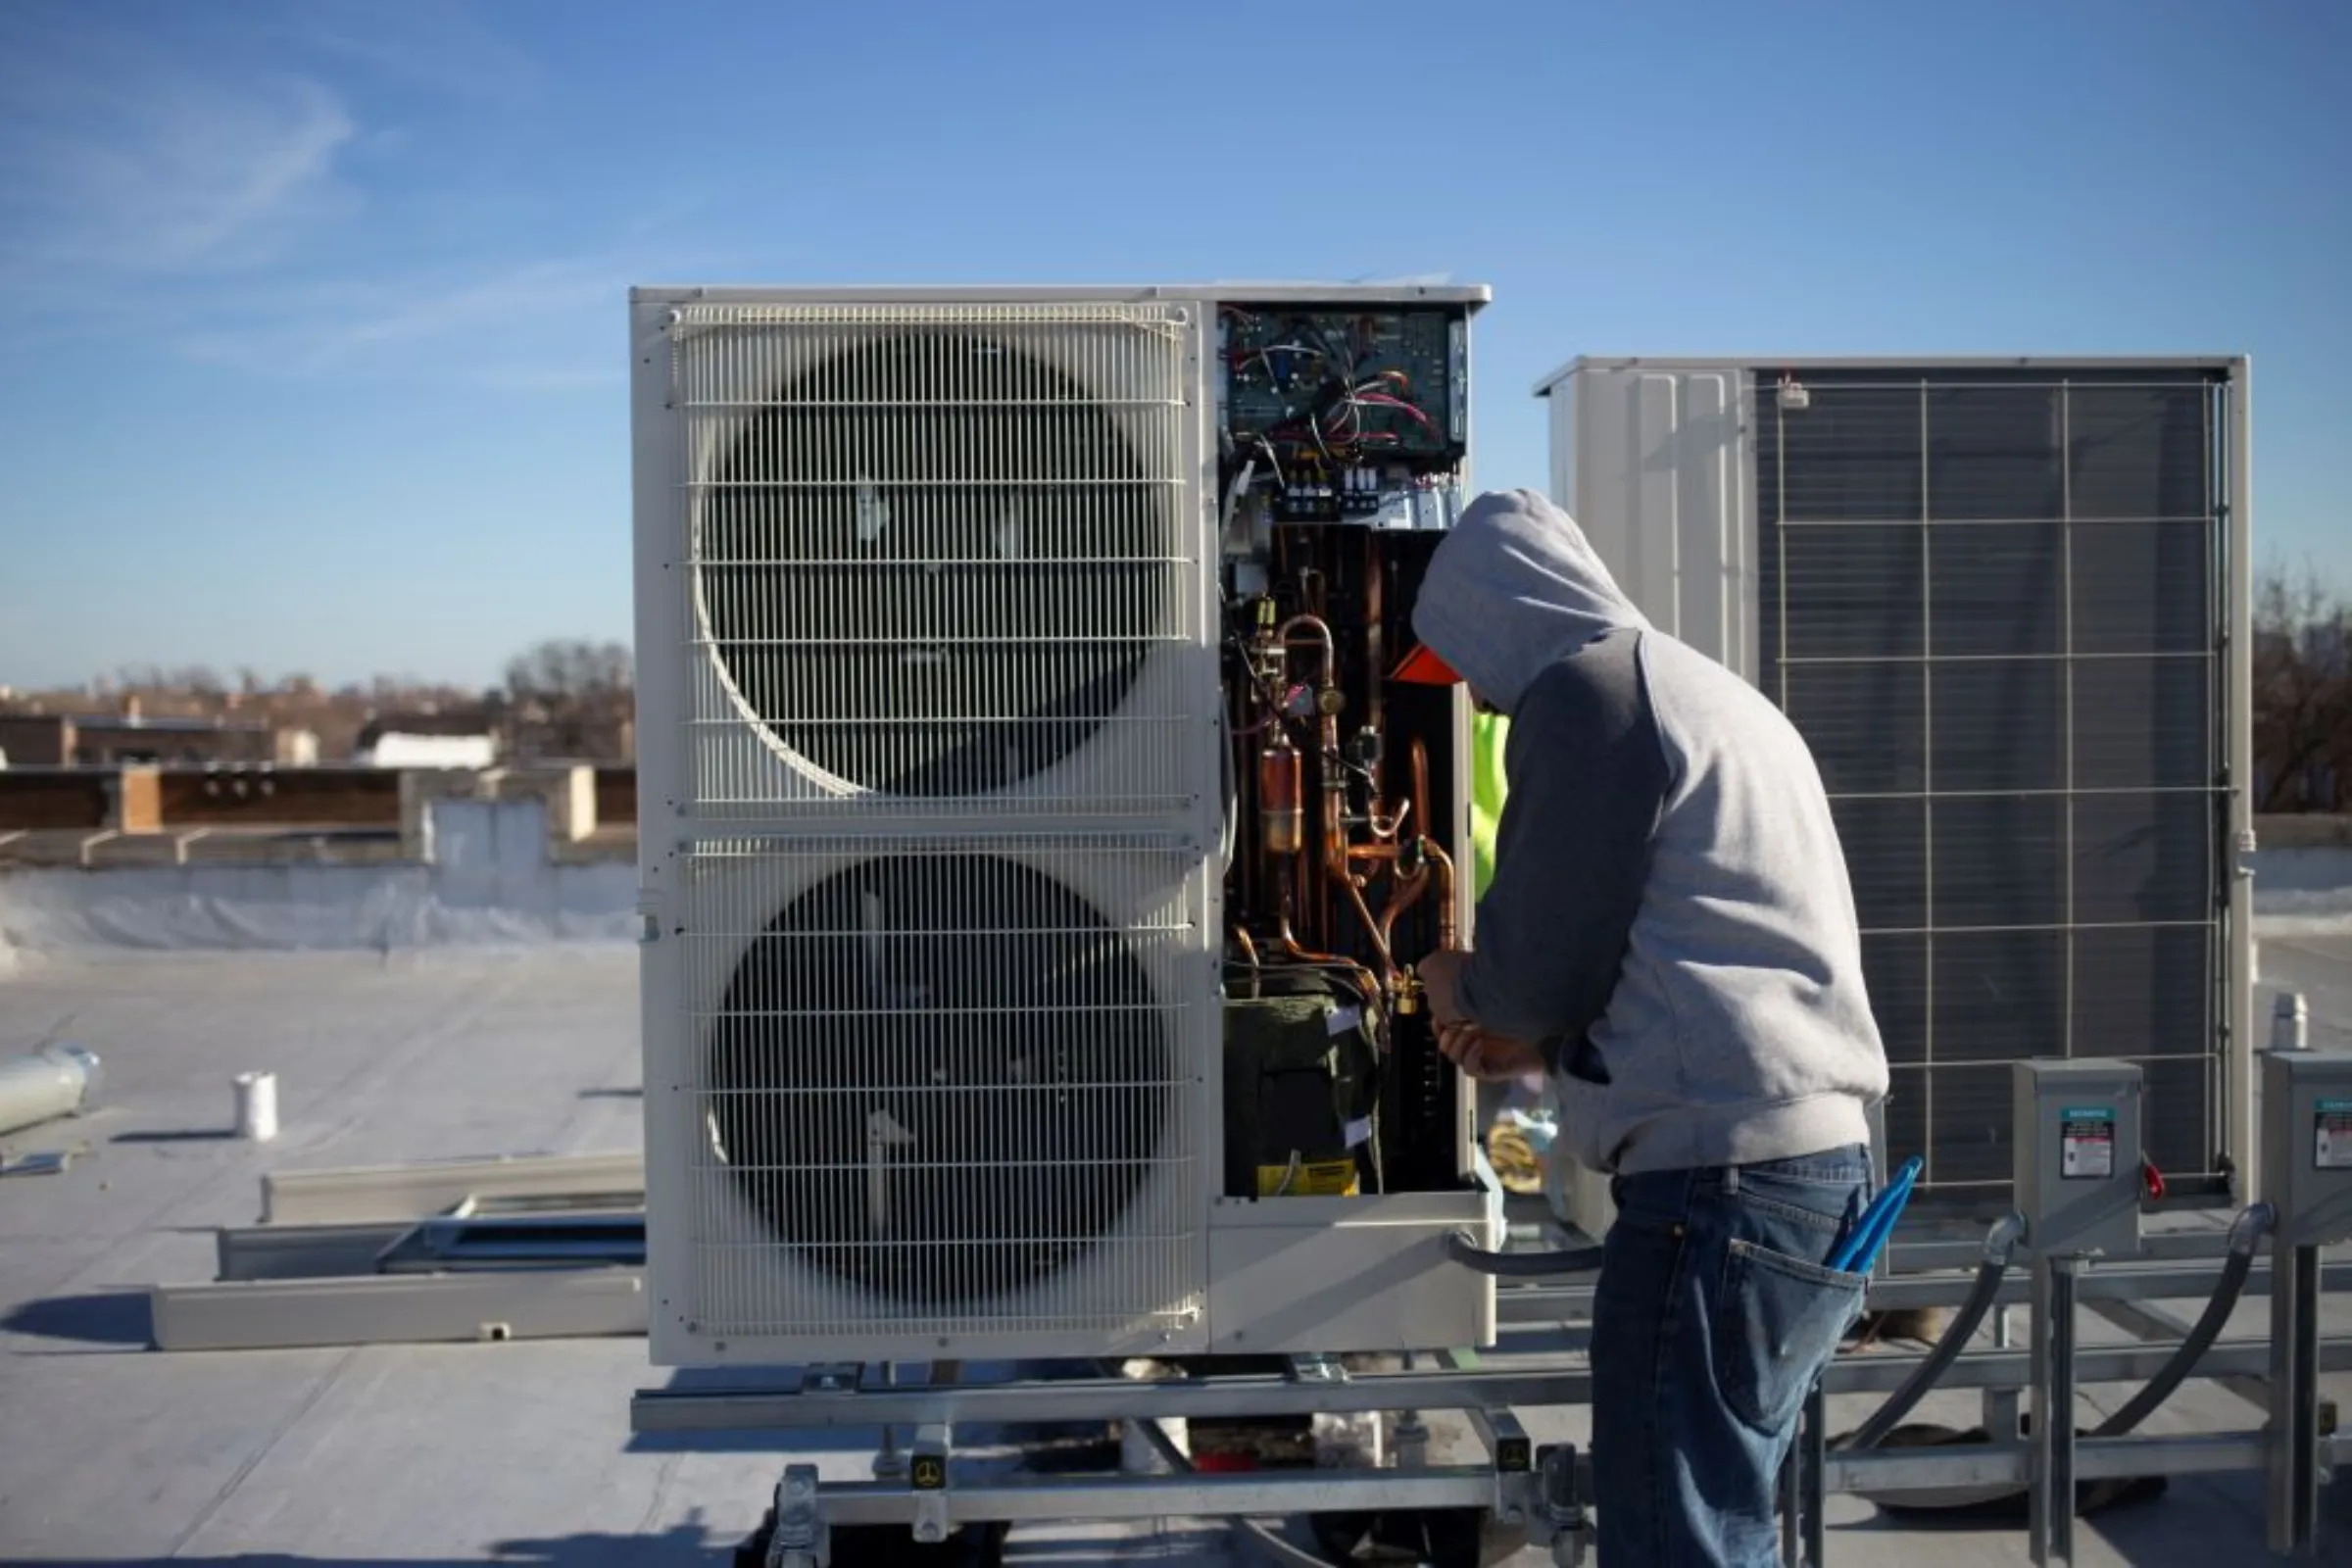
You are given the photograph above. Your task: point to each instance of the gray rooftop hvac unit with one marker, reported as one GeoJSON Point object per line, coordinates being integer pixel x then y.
{"type": "Point", "coordinates": [2004, 600]}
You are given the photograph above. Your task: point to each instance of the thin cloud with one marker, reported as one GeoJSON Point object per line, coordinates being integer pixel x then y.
{"type": "Point", "coordinates": [435, 44]}
{"type": "Point", "coordinates": [508, 325]}
{"type": "Point", "coordinates": [211, 186]}
{"type": "Point", "coordinates": [138, 167]}
{"type": "Point", "coordinates": [522, 326]}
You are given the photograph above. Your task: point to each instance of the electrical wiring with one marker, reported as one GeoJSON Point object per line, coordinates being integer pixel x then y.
{"type": "Point", "coordinates": [1382, 400]}
{"type": "Point", "coordinates": [1330, 400]}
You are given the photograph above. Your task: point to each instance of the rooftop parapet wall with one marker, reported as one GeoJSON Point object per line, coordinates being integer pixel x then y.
{"type": "Point", "coordinates": [136, 815]}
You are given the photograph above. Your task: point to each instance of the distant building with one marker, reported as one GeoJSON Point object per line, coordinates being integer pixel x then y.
{"type": "Point", "coordinates": [538, 736]}
{"type": "Point", "coordinates": [394, 748]}
{"type": "Point", "coordinates": [427, 740]}
{"type": "Point", "coordinates": [102, 739]}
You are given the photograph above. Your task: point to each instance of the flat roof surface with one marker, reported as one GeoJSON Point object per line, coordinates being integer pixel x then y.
{"type": "Point", "coordinates": [420, 1456]}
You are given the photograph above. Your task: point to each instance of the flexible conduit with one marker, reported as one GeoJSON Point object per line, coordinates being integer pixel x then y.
{"type": "Point", "coordinates": [1522, 1265]}
{"type": "Point", "coordinates": [2246, 1238]}
{"type": "Point", "coordinates": [2000, 1246]}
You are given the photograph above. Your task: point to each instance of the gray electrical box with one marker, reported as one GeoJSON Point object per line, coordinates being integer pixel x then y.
{"type": "Point", "coordinates": [2079, 1155]}
{"type": "Point", "coordinates": [2307, 1144]}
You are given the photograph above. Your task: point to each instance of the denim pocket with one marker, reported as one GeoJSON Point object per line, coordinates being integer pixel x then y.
{"type": "Point", "coordinates": [1778, 1322]}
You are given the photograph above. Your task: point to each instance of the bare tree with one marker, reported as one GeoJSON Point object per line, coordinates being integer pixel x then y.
{"type": "Point", "coordinates": [562, 671]}
{"type": "Point", "coordinates": [2302, 684]}
{"type": "Point", "coordinates": [569, 697]}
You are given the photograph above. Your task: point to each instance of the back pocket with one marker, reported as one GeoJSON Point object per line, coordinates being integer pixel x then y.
{"type": "Point", "coordinates": [1778, 1322]}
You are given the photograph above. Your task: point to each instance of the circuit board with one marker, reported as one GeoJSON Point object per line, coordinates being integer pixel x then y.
{"type": "Point", "coordinates": [1333, 392]}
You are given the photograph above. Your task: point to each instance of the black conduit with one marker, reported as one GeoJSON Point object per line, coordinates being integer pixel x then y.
{"type": "Point", "coordinates": [2246, 1238]}
{"type": "Point", "coordinates": [1999, 1245]}
{"type": "Point", "coordinates": [1522, 1265]}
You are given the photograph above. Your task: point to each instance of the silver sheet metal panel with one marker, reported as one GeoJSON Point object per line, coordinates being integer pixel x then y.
{"type": "Point", "coordinates": [925, 605]}
{"type": "Point", "coordinates": [1992, 601]}
{"type": "Point", "coordinates": [1996, 598]}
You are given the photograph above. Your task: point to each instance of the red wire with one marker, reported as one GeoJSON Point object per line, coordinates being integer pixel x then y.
{"type": "Point", "coordinates": [1383, 400]}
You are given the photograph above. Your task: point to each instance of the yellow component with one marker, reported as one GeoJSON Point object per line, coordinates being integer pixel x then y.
{"type": "Point", "coordinates": [1406, 996]}
{"type": "Point", "coordinates": [1320, 1178]}
{"type": "Point", "coordinates": [1516, 1163]}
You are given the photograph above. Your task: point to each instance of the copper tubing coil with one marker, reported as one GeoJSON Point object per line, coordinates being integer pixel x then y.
{"type": "Point", "coordinates": [1287, 941]}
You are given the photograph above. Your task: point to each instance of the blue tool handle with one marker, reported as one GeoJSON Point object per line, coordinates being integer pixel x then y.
{"type": "Point", "coordinates": [1862, 1246]}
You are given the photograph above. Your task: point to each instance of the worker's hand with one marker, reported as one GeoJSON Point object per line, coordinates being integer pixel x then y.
{"type": "Point", "coordinates": [1440, 976]}
{"type": "Point", "coordinates": [1487, 1058]}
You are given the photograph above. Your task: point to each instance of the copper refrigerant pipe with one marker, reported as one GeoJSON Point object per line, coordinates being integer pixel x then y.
{"type": "Point", "coordinates": [1372, 928]}
{"type": "Point", "coordinates": [1249, 947]}
{"type": "Point", "coordinates": [1323, 637]}
{"type": "Point", "coordinates": [1446, 926]}
{"type": "Point", "coordinates": [1328, 737]}
{"type": "Point", "coordinates": [1282, 815]}
{"type": "Point", "coordinates": [1407, 893]}
{"type": "Point", "coordinates": [1287, 941]}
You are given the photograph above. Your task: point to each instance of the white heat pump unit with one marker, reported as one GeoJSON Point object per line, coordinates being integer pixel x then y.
{"type": "Point", "coordinates": [932, 793]}
{"type": "Point", "coordinates": [2005, 602]}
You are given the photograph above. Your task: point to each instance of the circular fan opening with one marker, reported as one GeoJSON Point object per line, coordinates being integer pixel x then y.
{"type": "Point", "coordinates": [935, 562]}
{"type": "Point", "coordinates": [940, 1077]}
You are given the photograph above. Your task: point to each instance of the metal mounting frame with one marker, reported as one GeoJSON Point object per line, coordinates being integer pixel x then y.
{"type": "Point", "coordinates": [314, 1283]}
{"type": "Point", "coordinates": [1512, 1484]}
{"type": "Point", "coordinates": [310, 1275]}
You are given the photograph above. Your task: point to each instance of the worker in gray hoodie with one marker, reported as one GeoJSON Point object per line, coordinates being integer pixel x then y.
{"type": "Point", "coordinates": [1670, 933]}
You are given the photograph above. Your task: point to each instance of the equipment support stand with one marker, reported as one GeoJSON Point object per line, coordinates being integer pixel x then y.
{"type": "Point", "coordinates": [2053, 1515]}
{"type": "Point", "coordinates": [2294, 1481]}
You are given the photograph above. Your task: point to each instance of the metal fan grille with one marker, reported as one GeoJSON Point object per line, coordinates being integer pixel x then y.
{"type": "Point", "coordinates": [940, 558]}
{"type": "Point", "coordinates": [946, 1087]}
{"type": "Point", "coordinates": [1991, 603]}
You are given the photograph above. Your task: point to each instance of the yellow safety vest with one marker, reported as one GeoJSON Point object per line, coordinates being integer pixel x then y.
{"type": "Point", "coordinates": [1488, 735]}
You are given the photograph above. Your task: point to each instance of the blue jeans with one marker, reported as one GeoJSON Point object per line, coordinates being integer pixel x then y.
{"type": "Point", "coordinates": [1714, 1314]}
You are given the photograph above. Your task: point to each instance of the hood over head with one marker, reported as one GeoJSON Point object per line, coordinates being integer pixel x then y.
{"type": "Point", "coordinates": [1514, 587]}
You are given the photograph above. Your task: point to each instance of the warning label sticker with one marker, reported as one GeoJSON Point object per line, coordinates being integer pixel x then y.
{"type": "Point", "coordinates": [2332, 1141]}
{"type": "Point", "coordinates": [1314, 1178]}
{"type": "Point", "coordinates": [2085, 1143]}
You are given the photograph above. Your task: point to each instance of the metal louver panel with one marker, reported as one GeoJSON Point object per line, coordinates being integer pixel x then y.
{"type": "Point", "coordinates": [1991, 602]}
{"type": "Point", "coordinates": [945, 1090]}
{"type": "Point", "coordinates": [941, 559]}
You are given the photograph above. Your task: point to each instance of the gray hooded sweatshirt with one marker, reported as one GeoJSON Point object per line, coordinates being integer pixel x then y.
{"type": "Point", "coordinates": [1670, 914]}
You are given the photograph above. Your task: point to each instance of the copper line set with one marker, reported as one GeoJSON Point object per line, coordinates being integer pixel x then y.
{"type": "Point", "coordinates": [1344, 865]}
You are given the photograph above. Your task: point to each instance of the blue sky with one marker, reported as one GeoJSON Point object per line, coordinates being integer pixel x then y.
{"type": "Point", "coordinates": [315, 360]}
